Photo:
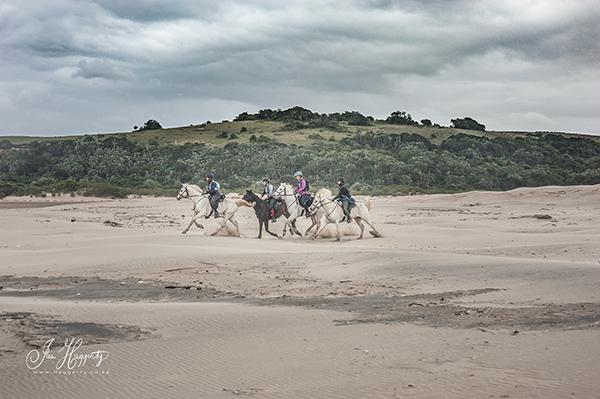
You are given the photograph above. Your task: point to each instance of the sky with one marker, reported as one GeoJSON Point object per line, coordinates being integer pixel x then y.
{"type": "Point", "coordinates": [71, 67]}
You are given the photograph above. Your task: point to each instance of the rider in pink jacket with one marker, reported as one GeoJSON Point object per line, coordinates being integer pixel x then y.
{"type": "Point", "coordinates": [302, 192]}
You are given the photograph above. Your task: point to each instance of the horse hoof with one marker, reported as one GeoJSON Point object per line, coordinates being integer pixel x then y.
{"type": "Point", "coordinates": [280, 237]}
{"type": "Point", "coordinates": [183, 232]}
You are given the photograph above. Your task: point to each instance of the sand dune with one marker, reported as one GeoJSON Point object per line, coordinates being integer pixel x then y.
{"type": "Point", "coordinates": [479, 294]}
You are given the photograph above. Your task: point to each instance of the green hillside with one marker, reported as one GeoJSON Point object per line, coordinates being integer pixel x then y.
{"type": "Point", "coordinates": [394, 156]}
{"type": "Point", "coordinates": [208, 133]}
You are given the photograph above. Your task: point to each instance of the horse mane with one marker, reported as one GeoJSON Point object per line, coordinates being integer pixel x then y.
{"type": "Point", "coordinates": [324, 193]}
{"type": "Point", "coordinates": [195, 187]}
{"type": "Point", "coordinates": [288, 187]}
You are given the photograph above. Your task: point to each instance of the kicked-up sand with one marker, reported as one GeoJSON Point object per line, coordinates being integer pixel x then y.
{"type": "Point", "coordinates": [472, 295]}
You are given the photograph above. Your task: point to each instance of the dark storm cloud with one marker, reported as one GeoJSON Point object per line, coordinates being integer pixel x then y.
{"type": "Point", "coordinates": [498, 61]}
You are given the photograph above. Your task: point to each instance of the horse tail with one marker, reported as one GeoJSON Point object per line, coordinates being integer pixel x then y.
{"type": "Point", "coordinates": [368, 204]}
{"type": "Point", "coordinates": [240, 202]}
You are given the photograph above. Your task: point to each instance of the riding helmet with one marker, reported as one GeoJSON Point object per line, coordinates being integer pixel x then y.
{"type": "Point", "coordinates": [265, 179]}
{"type": "Point", "coordinates": [210, 175]}
{"type": "Point", "coordinates": [341, 179]}
{"type": "Point", "coordinates": [298, 173]}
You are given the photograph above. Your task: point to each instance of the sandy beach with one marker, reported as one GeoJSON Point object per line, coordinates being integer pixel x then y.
{"type": "Point", "coordinates": [471, 295]}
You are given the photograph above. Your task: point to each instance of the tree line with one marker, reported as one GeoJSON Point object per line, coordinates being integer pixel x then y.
{"type": "Point", "coordinates": [372, 163]}
{"type": "Point", "coordinates": [296, 118]}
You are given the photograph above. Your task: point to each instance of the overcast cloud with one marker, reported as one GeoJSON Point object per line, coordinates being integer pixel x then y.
{"type": "Point", "coordinates": [73, 67]}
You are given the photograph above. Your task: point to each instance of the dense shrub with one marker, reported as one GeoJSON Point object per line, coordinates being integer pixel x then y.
{"type": "Point", "coordinates": [376, 161]}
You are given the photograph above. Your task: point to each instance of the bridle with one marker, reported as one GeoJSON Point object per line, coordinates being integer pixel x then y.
{"type": "Point", "coordinates": [285, 194]}
{"type": "Point", "coordinates": [188, 195]}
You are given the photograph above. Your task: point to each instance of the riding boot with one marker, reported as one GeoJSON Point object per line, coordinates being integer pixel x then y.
{"type": "Point", "coordinates": [348, 219]}
{"type": "Point", "coordinates": [273, 217]}
{"type": "Point", "coordinates": [216, 214]}
{"type": "Point", "coordinates": [308, 213]}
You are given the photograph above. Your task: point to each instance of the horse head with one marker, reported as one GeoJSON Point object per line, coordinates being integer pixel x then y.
{"type": "Point", "coordinates": [250, 197]}
{"type": "Point", "coordinates": [283, 189]}
{"type": "Point", "coordinates": [183, 193]}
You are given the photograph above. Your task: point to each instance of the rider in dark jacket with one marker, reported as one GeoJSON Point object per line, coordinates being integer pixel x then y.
{"type": "Point", "coordinates": [344, 197]}
{"type": "Point", "coordinates": [212, 189]}
{"type": "Point", "coordinates": [267, 195]}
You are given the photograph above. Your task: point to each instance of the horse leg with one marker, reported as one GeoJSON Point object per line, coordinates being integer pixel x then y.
{"type": "Point", "coordinates": [237, 226]}
{"type": "Point", "coordinates": [189, 225]}
{"type": "Point", "coordinates": [193, 221]}
{"type": "Point", "coordinates": [318, 230]}
{"type": "Point", "coordinates": [295, 231]}
{"type": "Point", "coordinates": [267, 229]}
{"type": "Point", "coordinates": [222, 226]}
{"type": "Point", "coordinates": [373, 232]}
{"type": "Point", "coordinates": [358, 221]}
{"type": "Point", "coordinates": [285, 227]}
{"type": "Point", "coordinates": [337, 229]}
{"type": "Point", "coordinates": [260, 227]}
{"type": "Point", "coordinates": [313, 220]}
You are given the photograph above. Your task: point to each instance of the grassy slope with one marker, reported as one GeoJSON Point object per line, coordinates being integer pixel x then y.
{"type": "Point", "coordinates": [207, 133]}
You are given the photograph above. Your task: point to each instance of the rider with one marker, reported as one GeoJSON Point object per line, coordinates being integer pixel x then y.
{"type": "Point", "coordinates": [302, 192]}
{"type": "Point", "coordinates": [212, 189]}
{"type": "Point", "coordinates": [344, 197]}
{"type": "Point", "coordinates": [267, 195]}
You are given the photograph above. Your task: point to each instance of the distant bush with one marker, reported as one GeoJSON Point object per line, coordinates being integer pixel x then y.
{"type": "Point", "coordinates": [151, 124]}
{"type": "Point", "coordinates": [467, 124]}
{"type": "Point", "coordinates": [400, 118]}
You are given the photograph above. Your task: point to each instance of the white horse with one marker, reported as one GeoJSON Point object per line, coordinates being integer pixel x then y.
{"type": "Point", "coordinates": [334, 213]}
{"type": "Point", "coordinates": [202, 208]}
{"type": "Point", "coordinates": [286, 192]}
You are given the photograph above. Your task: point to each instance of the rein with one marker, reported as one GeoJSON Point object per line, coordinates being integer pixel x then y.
{"type": "Point", "coordinates": [188, 195]}
{"type": "Point", "coordinates": [327, 215]}
{"type": "Point", "coordinates": [285, 194]}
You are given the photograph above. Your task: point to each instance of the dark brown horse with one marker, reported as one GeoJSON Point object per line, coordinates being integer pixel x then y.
{"type": "Point", "coordinates": [263, 213]}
